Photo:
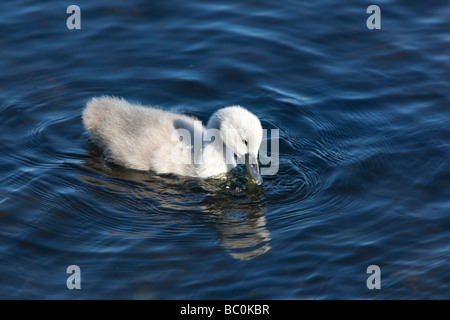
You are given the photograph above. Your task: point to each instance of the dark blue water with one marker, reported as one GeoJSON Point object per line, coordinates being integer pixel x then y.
{"type": "Point", "coordinates": [364, 161]}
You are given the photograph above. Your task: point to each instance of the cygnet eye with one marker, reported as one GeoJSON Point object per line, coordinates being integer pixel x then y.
{"type": "Point", "coordinates": [246, 142]}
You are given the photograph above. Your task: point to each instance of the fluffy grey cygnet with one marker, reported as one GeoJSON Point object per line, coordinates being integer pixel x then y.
{"type": "Point", "coordinates": [142, 138]}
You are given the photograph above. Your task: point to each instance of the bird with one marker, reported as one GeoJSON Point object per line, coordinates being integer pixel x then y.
{"type": "Point", "coordinates": [148, 138]}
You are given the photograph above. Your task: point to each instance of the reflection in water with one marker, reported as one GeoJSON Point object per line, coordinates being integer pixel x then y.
{"type": "Point", "coordinates": [237, 214]}
{"type": "Point", "coordinates": [241, 223]}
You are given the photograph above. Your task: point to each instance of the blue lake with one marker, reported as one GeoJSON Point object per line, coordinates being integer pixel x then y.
{"type": "Point", "coordinates": [364, 151]}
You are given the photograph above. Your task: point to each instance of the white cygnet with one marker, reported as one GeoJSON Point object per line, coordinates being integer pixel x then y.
{"type": "Point", "coordinates": [148, 138]}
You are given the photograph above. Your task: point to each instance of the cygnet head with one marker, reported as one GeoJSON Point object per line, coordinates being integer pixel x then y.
{"type": "Point", "coordinates": [241, 131]}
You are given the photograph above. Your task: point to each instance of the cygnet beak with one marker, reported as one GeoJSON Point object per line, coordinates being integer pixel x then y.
{"type": "Point", "coordinates": [252, 168]}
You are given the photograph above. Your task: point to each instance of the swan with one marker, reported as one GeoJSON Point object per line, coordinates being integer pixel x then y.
{"type": "Point", "coordinates": [148, 138]}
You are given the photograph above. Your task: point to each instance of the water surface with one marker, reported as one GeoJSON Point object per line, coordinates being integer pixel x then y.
{"type": "Point", "coordinates": [364, 169]}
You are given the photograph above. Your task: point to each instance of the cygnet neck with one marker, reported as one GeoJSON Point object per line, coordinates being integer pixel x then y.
{"type": "Point", "coordinates": [214, 155]}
